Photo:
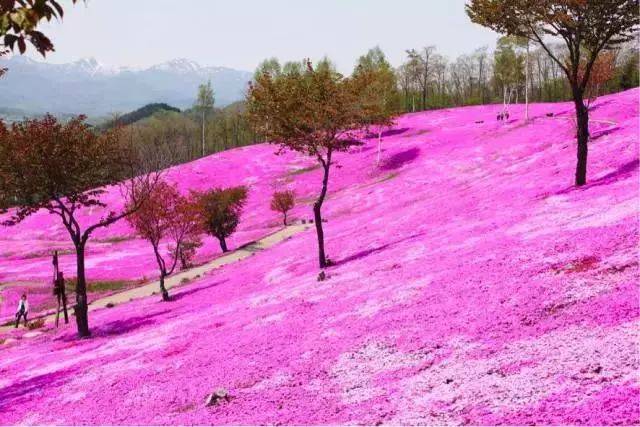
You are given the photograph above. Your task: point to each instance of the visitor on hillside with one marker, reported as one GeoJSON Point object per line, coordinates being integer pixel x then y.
{"type": "Point", "coordinates": [23, 309]}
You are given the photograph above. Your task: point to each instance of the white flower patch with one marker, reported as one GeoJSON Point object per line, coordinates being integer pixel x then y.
{"type": "Point", "coordinates": [355, 371]}
{"type": "Point", "coordinates": [74, 397]}
{"type": "Point", "coordinates": [276, 380]}
{"type": "Point", "coordinates": [559, 213]}
{"type": "Point", "coordinates": [607, 213]}
{"type": "Point", "coordinates": [522, 374]}
{"type": "Point", "coordinates": [392, 296]}
{"type": "Point", "coordinates": [277, 275]}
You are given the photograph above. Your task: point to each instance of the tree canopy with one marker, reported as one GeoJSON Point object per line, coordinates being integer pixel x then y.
{"type": "Point", "coordinates": [221, 209]}
{"type": "Point", "coordinates": [19, 21]}
{"type": "Point", "coordinates": [283, 201]}
{"type": "Point", "coordinates": [167, 216]}
{"type": "Point", "coordinates": [378, 91]}
{"type": "Point", "coordinates": [310, 109]}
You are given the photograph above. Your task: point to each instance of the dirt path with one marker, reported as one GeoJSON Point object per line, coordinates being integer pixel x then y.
{"type": "Point", "coordinates": [187, 276]}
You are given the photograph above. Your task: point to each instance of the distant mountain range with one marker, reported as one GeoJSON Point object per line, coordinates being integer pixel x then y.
{"type": "Point", "coordinates": [86, 86]}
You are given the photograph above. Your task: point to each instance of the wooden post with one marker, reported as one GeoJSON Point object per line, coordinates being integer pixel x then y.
{"type": "Point", "coordinates": [56, 290]}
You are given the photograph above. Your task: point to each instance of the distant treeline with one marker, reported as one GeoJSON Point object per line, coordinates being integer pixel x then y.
{"type": "Point", "coordinates": [429, 80]}
{"type": "Point", "coordinates": [139, 114]}
{"type": "Point", "coordinates": [177, 134]}
{"type": "Point", "coordinates": [426, 80]}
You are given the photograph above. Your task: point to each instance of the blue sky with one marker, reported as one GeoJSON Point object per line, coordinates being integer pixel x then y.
{"type": "Point", "coordinates": [241, 33]}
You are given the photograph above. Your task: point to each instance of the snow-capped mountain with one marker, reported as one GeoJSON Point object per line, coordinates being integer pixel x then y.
{"type": "Point", "coordinates": [180, 65]}
{"type": "Point", "coordinates": [89, 87]}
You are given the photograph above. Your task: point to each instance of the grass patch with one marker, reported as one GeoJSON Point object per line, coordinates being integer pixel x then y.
{"type": "Point", "coordinates": [100, 285]}
{"type": "Point", "coordinates": [388, 177]}
{"type": "Point", "coordinates": [114, 239]}
{"type": "Point", "coordinates": [303, 170]}
{"type": "Point", "coordinates": [35, 324]}
{"type": "Point", "coordinates": [108, 285]}
{"type": "Point", "coordinates": [48, 253]}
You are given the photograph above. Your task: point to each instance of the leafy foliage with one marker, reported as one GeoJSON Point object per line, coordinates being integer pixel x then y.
{"type": "Point", "coordinates": [59, 167]}
{"type": "Point", "coordinates": [165, 215]}
{"type": "Point", "coordinates": [187, 251]}
{"type": "Point", "coordinates": [179, 135]}
{"type": "Point", "coordinates": [221, 209]}
{"type": "Point", "coordinates": [603, 71]}
{"type": "Point", "coordinates": [283, 202]}
{"type": "Point", "coordinates": [19, 20]}
{"type": "Point", "coordinates": [378, 91]}
{"type": "Point", "coordinates": [312, 110]}
{"type": "Point", "coordinates": [509, 67]}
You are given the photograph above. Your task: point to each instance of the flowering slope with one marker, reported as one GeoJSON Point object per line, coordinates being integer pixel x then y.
{"type": "Point", "coordinates": [472, 284]}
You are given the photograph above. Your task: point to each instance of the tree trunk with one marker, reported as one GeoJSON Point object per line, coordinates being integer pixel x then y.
{"type": "Point", "coordinates": [64, 308]}
{"type": "Point", "coordinates": [285, 219]}
{"type": "Point", "coordinates": [526, 86]}
{"type": "Point", "coordinates": [203, 133]}
{"type": "Point", "coordinates": [317, 206]}
{"type": "Point", "coordinates": [223, 244]}
{"type": "Point", "coordinates": [582, 124]}
{"type": "Point", "coordinates": [379, 146]}
{"type": "Point", "coordinates": [81, 307]}
{"type": "Point", "coordinates": [165, 293]}
{"type": "Point", "coordinates": [504, 98]}
{"type": "Point", "coordinates": [58, 311]}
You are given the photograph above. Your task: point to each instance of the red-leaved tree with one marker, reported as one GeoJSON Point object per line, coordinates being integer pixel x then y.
{"type": "Point", "coordinates": [63, 168]}
{"type": "Point", "coordinates": [602, 72]}
{"type": "Point", "coordinates": [166, 217]}
{"type": "Point", "coordinates": [283, 202]}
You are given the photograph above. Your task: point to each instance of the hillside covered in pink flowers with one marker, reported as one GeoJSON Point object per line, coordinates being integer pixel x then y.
{"type": "Point", "coordinates": [472, 284]}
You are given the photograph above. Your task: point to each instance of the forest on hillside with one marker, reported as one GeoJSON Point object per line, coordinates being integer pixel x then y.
{"type": "Point", "coordinates": [426, 80]}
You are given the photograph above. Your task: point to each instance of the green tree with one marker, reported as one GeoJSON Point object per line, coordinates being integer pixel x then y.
{"type": "Point", "coordinates": [423, 61]}
{"type": "Point", "coordinates": [379, 96]}
{"type": "Point", "coordinates": [508, 67]}
{"type": "Point", "coordinates": [268, 66]}
{"type": "Point", "coordinates": [587, 27]}
{"type": "Point", "coordinates": [311, 110]}
{"type": "Point", "coordinates": [221, 209]}
{"type": "Point", "coordinates": [628, 74]}
{"type": "Point", "coordinates": [204, 103]}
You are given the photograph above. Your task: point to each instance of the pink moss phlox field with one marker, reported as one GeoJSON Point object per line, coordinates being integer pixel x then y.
{"type": "Point", "coordinates": [472, 284]}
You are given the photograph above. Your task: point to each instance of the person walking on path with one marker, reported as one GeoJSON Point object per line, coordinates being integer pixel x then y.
{"type": "Point", "coordinates": [23, 309]}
